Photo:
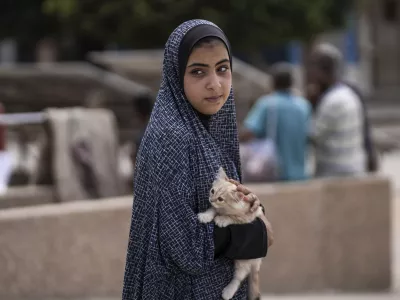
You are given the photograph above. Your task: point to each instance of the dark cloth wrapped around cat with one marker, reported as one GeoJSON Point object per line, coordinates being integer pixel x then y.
{"type": "Point", "coordinates": [170, 253]}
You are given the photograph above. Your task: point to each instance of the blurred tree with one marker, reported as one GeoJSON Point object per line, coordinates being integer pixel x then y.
{"type": "Point", "coordinates": [27, 22]}
{"type": "Point", "coordinates": [148, 23]}
{"type": "Point", "coordinates": [23, 18]}
{"type": "Point", "coordinates": [24, 21]}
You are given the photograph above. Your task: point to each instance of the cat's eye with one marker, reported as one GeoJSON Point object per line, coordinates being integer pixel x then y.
{"type": "Point", "coordinates": [212, 191]}
{"type": "Point", "coordinates": [220, 199]}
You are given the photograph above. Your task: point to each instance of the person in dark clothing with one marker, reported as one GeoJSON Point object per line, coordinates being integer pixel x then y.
{"type": "Point", "coordinates": [192, 132]}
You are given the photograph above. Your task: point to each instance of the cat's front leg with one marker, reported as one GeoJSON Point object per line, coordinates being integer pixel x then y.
{"type": "Point", "coordinates": [223, 221]}
{"type": "Point", "coordinates": [207, 216]}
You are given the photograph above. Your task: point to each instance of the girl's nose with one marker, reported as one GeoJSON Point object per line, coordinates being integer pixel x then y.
{"type": "Point", "coordinates": [214, 82]}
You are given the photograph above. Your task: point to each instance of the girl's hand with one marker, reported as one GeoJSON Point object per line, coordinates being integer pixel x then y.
{"type": "Point", "coordinates": [247, 195]}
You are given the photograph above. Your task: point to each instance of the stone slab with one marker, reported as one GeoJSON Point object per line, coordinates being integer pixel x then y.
{"type": "Point", "coordinates": [330, 235]}
{"type": "Point", "coordinates": [27, 196]}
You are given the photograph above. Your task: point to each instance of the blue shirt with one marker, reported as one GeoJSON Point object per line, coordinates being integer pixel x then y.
{"type": "Point", "coordinates": [293, 115]}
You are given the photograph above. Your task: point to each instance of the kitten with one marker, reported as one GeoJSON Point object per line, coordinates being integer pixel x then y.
{"type": "Point", "coordinates": [228, 208]}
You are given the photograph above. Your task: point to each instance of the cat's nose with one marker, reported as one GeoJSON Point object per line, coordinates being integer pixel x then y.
{"type": "Point", "coordinates": [212, 200]}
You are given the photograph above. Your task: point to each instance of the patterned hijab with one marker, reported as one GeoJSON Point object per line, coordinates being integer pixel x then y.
{"type": "Point", "coordinates": [175, 167]}
{"type": "Point", "coordinates": [222, 128]}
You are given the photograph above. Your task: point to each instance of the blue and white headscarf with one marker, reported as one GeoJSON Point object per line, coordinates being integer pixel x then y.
{"type": "Point", "coordinates": [170, 253]}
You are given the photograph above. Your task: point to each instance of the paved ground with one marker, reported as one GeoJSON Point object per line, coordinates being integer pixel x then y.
{"type": "Point", "coordinates": [301, 297]}
{"type": "Point", "coordinates": [336, 297]}
{"type": "Point", "coordinates": [391, 167]}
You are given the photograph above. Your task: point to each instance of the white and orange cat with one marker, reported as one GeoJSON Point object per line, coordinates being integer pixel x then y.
{"type": "Point", "coordinates": [227, 207]}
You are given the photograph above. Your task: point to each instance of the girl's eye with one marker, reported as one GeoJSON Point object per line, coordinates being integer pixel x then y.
{"type": "Point", "coordinates": [212, 191]}
{"type": "Point", "coordinates": [223, 69]}
{"type": "Point", "coordinates": [197, 72]}
{"type": "Point", "coordinates": [220, 199]}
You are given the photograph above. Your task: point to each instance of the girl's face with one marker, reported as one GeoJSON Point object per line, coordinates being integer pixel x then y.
{"type": "Point", "coordinates": [208, 78]}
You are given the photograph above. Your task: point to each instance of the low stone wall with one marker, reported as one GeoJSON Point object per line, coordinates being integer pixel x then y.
{"type": "Point", "coordinates": [330, 235]}
{"type": "Point", "coordinates": [64, 250]}
{"type": "Point", "coordinates": [27, 196]}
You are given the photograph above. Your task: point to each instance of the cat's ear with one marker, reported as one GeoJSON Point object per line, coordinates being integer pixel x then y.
{"type": "Point", "coordinates": [221, 174]}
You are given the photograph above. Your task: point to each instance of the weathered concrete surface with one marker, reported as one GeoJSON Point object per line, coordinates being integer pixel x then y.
{"type": "Point", "coordinates": [338, 241]}
{"type": "Point", "coordinates": [335, 297]}
{"type": "Point", "coordinates": [371, 296]}
{"type": "Point", "coordinates": [63, 250]}
{"type": "Point", "coordinates": [391, 168]}
{"type": "Point", "coordinates": [27, 196]}
{"type": "Point", "coordinates": [327, 236]}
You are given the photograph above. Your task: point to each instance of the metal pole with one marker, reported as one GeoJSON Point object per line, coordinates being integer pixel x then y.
{"type": "Point", "coordinates": [22, 118]}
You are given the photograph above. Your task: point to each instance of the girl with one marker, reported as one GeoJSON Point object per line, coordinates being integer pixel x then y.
{"type": "Point", "coordinates": [191, 133]}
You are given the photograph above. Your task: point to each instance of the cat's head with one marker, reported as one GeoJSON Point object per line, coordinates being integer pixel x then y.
{"type": "Point", "coordinates": [225, 198]}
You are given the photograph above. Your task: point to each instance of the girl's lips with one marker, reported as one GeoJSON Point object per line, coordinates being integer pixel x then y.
{"type": "Point", "coordinates": [213, 99]}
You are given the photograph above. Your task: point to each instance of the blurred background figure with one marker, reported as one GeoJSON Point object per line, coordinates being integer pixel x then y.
{"type": "Point", "coordinates": [2, 130]}
{"type": "Point", "coordinates": [5, 159]}
{"type": "Point", "coordinates": [284, 118]}
{"type": "Point", "coordinates": [340, 118]}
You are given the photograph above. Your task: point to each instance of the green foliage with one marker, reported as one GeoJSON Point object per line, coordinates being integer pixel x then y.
{"type": "Point", "coordinates": [248, 23]}
{"type": "Point", "coordinates": [24, 19]}
{"type": "Point", "coordinates": [148, 23]}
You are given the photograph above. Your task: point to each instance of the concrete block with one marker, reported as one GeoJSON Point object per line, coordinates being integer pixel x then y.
{"type": "Point", "coordinates": [27, 196]}
{"type": "Point", "coordinates": [357, 234]}
{"type": "Point", "coordinates": [64, 250]}
{"type": "Point", "coordinates": [294, 263]}
{"type": "Point", "coordinates": [331, 234]}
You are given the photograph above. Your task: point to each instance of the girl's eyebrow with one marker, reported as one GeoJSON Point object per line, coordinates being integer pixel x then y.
{"type": "Point", "coordinates": [222, 61]}
{"type": "Point", "coordinates": [207, 66]}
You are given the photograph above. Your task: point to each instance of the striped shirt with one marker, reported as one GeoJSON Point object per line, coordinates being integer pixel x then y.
{"type": "Point", "coordinates": [339, 134]}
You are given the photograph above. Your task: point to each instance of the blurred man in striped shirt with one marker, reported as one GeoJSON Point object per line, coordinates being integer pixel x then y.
{"type": "Point", "coordinates": [339, 120]}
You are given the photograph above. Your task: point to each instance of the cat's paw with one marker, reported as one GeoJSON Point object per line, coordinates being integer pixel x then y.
{"type": "Point", "coordinates": [222, 221]}
{"type": "Point", "coordinates": [228, 293]}
{"type": "Point", "coordinates": [205, 217]}
{"type": "Point", "coordinates": [259, 213]}
{"type": "Point", "coordinates": [258, 297]}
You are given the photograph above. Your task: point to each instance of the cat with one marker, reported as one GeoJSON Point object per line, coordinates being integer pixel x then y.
{"type": "Point", "coordinates": [228, 208]}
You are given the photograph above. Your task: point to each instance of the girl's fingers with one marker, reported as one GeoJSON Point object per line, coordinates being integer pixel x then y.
{"type": "Point", "coordinates": [243, 189]}
{"type": "Point", "coordinates": [234, 182]}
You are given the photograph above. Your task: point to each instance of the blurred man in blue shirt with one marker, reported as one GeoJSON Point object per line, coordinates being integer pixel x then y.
{"type": "Point", "coordinates": [289, 115]}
